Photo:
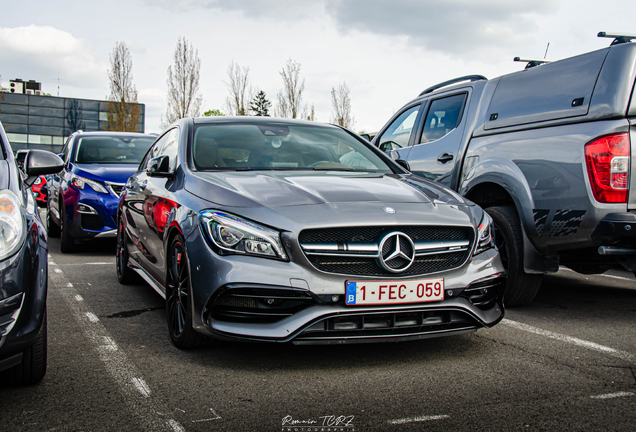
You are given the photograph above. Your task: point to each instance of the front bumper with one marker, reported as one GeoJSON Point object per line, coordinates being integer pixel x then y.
{"type": "Point", "coordinates": [23, 288]}
{"type": "Point", "coordinates": [321, 319]}
{"type": "Point", "coordinates": [91, 214]}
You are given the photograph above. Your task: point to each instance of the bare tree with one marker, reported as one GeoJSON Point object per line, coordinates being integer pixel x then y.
{"type": "Point", "coordinates": [291, 96]}
{"type": "Point", "coordinates": [341, 106]}
{"type": "Point", "coordinates": [74, 117]}
{"type": "Point", "coordinates": [123, 109]}
{"type": "Point", "coordinates": [241, 93]}
{"type": "Point", "coordinates": [311, 114]}
{"type": "Point", "coordinates": [184, 96]}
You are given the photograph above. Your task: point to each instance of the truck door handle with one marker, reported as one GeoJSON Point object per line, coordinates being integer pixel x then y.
{"type": "Point", "coordinates": [446, 157]}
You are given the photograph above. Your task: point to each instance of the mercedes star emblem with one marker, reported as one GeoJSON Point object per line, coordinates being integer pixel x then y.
{"type": "Point", "coordinates": [397, 252]}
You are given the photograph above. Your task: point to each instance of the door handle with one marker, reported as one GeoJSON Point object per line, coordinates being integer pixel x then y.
{"type": "Point", "coordinates": [446, 157]}
{"type": "Point", "coordinates": [143, 185]}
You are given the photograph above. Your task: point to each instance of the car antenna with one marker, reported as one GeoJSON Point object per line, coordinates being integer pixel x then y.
{"type": "Point", "coordinates": [618, 38]}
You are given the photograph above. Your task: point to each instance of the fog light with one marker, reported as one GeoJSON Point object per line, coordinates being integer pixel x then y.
{"type": "Point", "coordinates": [334, 298]}
{"type": "Point", "coordinates": [270, 301]}
{"type": "Point", "coordinates": [450, 293]}
{"type": "Point", "coordinates": [82, 208]}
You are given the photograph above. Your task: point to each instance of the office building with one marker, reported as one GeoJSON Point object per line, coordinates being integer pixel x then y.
{"type": "Point", "coordinates": [43, 122]}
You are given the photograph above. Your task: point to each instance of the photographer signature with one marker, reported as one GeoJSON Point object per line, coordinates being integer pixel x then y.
{"type": "Point", "coordinates": [323, 421]}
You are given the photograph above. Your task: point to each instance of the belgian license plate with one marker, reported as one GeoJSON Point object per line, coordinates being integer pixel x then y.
{"type": "Point", "coordinates": [396, 292]}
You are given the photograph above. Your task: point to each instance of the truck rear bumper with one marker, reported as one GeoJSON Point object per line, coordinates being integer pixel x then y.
{"type": "Point", "coordinates": [616, 229]}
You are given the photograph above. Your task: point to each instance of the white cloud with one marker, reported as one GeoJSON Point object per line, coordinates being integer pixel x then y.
{"type": "Point", "coordinates": [41, 51]}
{"type": "Point", "coordinates": [132, 46]}
{"type": "Point", "coordinates": [452, 26]}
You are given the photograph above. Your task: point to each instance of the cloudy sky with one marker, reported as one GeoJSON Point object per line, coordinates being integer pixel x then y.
{"type": "Point", "coordinates": [386, 51]}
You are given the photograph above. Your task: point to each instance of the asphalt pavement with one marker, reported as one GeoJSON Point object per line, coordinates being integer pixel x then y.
{"type": "Point", "coordinates": [567, 361]}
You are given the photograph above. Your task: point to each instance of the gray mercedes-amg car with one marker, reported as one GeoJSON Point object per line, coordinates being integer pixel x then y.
{"type": "Point", "coordinates": [262, 229]}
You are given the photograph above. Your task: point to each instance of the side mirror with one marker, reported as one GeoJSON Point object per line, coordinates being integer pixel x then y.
{"type": "Point", "coordinates": [366, 137]}
{"type": "Point", "coordinates": [41, 162]}
{"type": "Point", "coordinates": [404, 164]}
{"type": "Point", "coordinates": [387, 146]}
{"type": "Point", "coordinates": [20, 155]}
{"type": "Point", "coordinates": [159, 167]}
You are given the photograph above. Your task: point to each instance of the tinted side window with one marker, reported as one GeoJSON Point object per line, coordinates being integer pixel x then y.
{"type": "Point", "coordinates": [443, 116]}
{"type": "Point", "coordinates": [397, 135]}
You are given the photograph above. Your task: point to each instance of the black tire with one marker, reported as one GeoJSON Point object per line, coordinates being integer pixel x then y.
{"type": "Point", "coordinates": [32, 368]}
{"type": "Point", "coordinates": [125, 274]}
{"type": "Point", "coordinates": [52, 229]}
{"type": "Point", "coordinates": [178, 295]}
{"type": "Point", "coordinates": [521, 287]}
{"type": "Point", "coordinates": [67, 243]}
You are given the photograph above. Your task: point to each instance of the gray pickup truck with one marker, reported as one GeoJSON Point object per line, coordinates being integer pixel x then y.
{"type": "Point", "coordinates": [548, 151]}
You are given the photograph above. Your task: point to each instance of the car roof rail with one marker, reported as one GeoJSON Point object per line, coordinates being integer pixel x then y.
{"type": "Point", "coordinates": [618, 38]}
{"type": "Point", "coordinates": [531, 62]}
{"type": "Point", "coordinates": [453, 81]}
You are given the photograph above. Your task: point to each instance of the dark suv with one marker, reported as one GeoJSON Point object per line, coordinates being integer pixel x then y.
{"type": "Point", "coordinates": [548, 151]}
{"type": "Point", "coordinates": [23, 267]}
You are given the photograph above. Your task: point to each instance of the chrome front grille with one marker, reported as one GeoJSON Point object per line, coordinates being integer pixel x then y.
{"type": "Point", "coordinates": [358, 250]}
{"type": "Point", "coordinates": [115, 188]}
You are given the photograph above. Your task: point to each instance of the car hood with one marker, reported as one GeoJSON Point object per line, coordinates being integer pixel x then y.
{"type": "Point", "coordinates": [285, 188]}
{"type": "Point", "coordinates": [114, 173]}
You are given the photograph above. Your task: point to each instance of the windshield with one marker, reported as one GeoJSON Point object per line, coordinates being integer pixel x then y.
{"type": "Point", "coordinates": [112, 149]}
{"type": "Point", "coordinates": [280, 146]}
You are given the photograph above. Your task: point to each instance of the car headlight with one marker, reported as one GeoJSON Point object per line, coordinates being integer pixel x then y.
{"type": "Point", "coordinates": [485, 235]}
{"type": "Point", "coordinates": [237, 235]}
{"type": "Point", "coordinates": [79, 182]}
{"type": "Point", "coordinates": [11, 224]}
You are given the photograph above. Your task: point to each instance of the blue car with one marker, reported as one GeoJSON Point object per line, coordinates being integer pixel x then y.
{"type": "Point", "coordinates": [83, 197]}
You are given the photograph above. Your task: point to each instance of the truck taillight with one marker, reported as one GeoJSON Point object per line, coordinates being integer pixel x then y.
{"type": "Point", "coordinates": [607, 159]}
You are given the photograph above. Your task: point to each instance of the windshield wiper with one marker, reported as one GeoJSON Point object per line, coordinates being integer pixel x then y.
{"type": "Point", "coordinates": [334, 169]}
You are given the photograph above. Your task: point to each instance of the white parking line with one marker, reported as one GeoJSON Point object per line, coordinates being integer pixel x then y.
{"type": "Point", "coordinates": [623, 355]}
{"type": "Point", "coordinates": [600, 275]}
{"type": "Point", "coordinates": [618, 277]}
{"type": "Point", "coordinates": [418, 419]}
{"type": "Point", "coordinates": [176, 427]}
{"type": "Point", "coordinates": [612, 395]}
{"type": "Point", "coordinates": [141, 386]}
{"type": "Point", "coordinates": [92, 317]}
{"type": "Point", "coordinates": [136, 392]}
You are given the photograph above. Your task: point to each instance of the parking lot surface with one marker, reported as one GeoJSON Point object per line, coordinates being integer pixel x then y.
{"type": "Point", "coordinates": [567, 361]}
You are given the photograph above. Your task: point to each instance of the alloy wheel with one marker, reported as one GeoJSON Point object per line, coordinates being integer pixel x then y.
{"type": "Point", "coordinates": [177, 296]}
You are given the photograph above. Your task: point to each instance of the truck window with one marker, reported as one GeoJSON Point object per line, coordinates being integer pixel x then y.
{"type": "Point", "coordinates": [397, 135]}
{"type": "Point", "coordinates": [443, 116]}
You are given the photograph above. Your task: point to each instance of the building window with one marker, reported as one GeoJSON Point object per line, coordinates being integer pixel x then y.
{"type": "Point", "coordinates": [16, 138]}
{"type": "Point", "coordinates": [40, 139]}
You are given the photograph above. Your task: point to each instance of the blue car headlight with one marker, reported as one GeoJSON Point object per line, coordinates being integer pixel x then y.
{"type": "Point", "coordinates": [234, 234]}
{"type": "Point", "coordinates": [80, 182]}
